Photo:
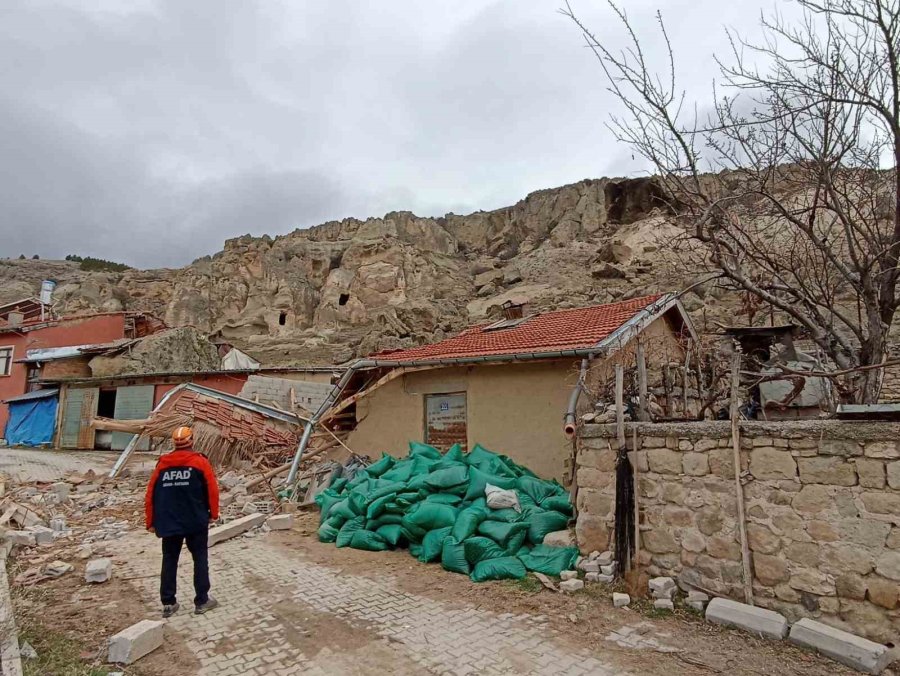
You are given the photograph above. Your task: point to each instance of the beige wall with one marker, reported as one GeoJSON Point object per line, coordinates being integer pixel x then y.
{"type": "Point", "coordinates": [515, 409]}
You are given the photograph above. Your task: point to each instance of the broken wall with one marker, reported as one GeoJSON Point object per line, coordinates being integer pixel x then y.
{"type": "Point", "coordinates": [277, 392]}
{"type": "Point", "coordinates": [822, 501]}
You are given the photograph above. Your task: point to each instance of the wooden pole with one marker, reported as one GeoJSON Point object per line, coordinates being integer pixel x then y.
{"type": "Point", "coordinates": [637, 494]}
{"type": "Point", "coordinates": [738, 486]}
{"type": "Point", "coordinates": [620, 406]}
{"type": "Point", "coordinates": [687, 366]}
{"type": "Point", "coordinates": [644, 412]}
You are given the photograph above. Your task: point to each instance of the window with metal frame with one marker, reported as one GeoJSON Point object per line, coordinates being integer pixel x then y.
{"type": "Point", "coordinates": [6, 359]}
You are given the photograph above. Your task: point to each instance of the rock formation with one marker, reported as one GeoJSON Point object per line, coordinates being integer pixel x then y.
{"type": "Point", "coordinates": [343, 289]}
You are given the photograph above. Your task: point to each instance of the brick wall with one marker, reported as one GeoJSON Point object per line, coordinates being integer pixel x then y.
{"type": "Point", "coordinates": [77, 367]}
{"type": "Point", "coordinates": [822, 500]}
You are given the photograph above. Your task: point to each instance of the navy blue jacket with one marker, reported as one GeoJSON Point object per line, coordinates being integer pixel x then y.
{"type": "Point", "coordinates": [183, 494]}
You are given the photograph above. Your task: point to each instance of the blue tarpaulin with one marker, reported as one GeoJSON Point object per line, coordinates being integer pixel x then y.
{"type": "Point", "coordinates": [32, 418]}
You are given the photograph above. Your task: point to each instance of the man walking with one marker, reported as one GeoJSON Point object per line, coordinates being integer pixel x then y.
{"type": "Point", "coordinates": [182, 499]}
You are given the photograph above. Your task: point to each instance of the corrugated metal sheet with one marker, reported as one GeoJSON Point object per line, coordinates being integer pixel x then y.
{"type": "Point", "coordinates": [445, 420]}
{"type": "Point", "coordinates": [37, 394]}
{"type": "Point", "coordinates": [132, 403]}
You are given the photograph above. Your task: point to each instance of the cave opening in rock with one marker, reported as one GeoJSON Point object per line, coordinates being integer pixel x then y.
{"type": "Point", "coordinates": [282, 318]}
{"type": "Point", "coordinates": [344, 297]}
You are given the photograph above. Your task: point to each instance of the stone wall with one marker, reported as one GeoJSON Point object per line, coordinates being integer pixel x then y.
{"type": "Point", "coordinates": [822, 500]}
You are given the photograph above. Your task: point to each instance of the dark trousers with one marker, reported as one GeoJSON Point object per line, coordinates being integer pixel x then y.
{"type": "Point", "coordinates": [171, 551]}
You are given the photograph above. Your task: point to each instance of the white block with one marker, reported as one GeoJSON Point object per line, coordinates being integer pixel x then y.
{"type": "Point", "coordinates": [589, 566]}
{"type": "Point", "coordinates": [750, 618]}
{"type": "Point", "coordinates": [665, 593]}
{"type": "Point", "coordinates": [98, 570]}
{"type": "Point", "coordinates": [608, 570]}
{"type": "Point", "coordinates": [280, 522]}
{"type": "Point", "coordinates": [605, 558]}
{"type": "Point", "coordinates": [660, 584]}
{"type": "Point", "coordinates": [131, 644]}
{"type": "Point", "coordinates": [606, 579]}
{"type": "Point", "coordinates": [592, 577]}
{"type": "Point", "coordinates": [235, 528]}
{"type": "Point", "coordinates": [58, 524]}
{"type": "Point", "coordinates": [571, 585]}
{"type": "Point", "coordinates": [620, 600]}
{"type": "Point", "coordinates": [568, 575]}
{"type": "Point", "coordinates": [841, 646]}
{"type": "Point", "coordinates": [694, 595]}
{"type": "Point", "coordinates": [560, 538]}
{"type": "Point", "coordinates": [664, 604]}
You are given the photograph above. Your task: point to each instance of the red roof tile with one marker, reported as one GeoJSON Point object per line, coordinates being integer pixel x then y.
{"type": "Point", "coordinates": [548, 332]}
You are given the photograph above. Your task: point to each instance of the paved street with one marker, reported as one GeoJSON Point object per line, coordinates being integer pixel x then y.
{"type": "Point", "coordinates": [271, 600]}
{"type": "Point", "coordinates": [25, 464]}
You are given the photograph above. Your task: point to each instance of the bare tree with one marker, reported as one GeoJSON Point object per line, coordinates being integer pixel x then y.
{"type": "Point", "coordinates": [789, 185]}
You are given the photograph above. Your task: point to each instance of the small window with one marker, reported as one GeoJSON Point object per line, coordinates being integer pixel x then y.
{"type": "Point", "coordinates": [6, 357]}
{"type": "Point", "coordinates": [282, 318]}
{"type": "Point", "coordinates": [344, 297]}
{"type": "Point", "coordinates": [33, 377]}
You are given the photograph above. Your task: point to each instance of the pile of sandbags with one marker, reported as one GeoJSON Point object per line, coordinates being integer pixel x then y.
{"type": "Point", "coordinates": [440, 508]}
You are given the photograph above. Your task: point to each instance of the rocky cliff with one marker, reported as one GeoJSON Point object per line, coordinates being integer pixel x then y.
{"type": "Point", "coordinates": [343, 289]}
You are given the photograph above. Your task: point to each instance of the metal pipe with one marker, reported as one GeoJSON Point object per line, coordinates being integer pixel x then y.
{"type": "Point", "coordinates": [569, 426]}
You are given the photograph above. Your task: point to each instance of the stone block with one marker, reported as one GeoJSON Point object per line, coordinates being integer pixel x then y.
{"type": "Point", "coordinates": [591, 532]}
{"type": "Point", "coordinates": [813, 499]}
{"type": "Point", "coordinates": [42, 534]}
{"type": "Point", "coordinates": [605, 558]}
{"type": "Point", "coordinates": [884, 593]}
{"type": "Point", "coordinates": [661, 584]}
{"type": "Point", "coordinates": [893, 475]}
{"type": "Point", "coordinates": [697, 596]}
{"type": "Point", "coordinates": [749, 618]}
{"type": "Point", "coordinates": [828, 471]}
{"type": "Point", "coordinates": [664, 461]}
{"type": "Point", "coordinates": [591, 577]}
{"type": "Point", "coordinates": [813, 582]}
{"type": "Point", "coordinates": [665, 593]}
{"type": "Point", "coordinates": [571, 585]}
{"type": "Point", "coordinates": [606, 579]}
{"type": "Point", "coordinates": [762, 539]}
{"type": "Point", "coordinates": [888, 565]}
{"type": "Point", "coordinates": [840, 447]}
{"type": "Point", "coordinates": [609, 570]}
{"type": "Point", "coordinates": [61, 490]}
{"type": "Point", "coordinates": [664, 604]}
{"type": "Point", "coordinates": [58, 524]}
{"type": "Point", "coordinates": [619, 600]}
{"type": "Point", "coordinates": [280, 522]}
{"type": "Point", "coordinates": [772, 463]}
{"type": "Point", "coordinates": [22, 538]}
{"type": "Point", "coordinates": [886, 450]}
{"type": "Point", "coordinates": [131, 644]}
{"type": "Point", "coordinates": [98, 571]}
{"type": "Point", "coordinates": [841, 646]}
{"type": "Point", "coordinates": [770, 570]}
{"type": "Point", "coordinates": [845, 557]}
{"type": "Point", "coordinates": [659, 541]}
{"type": "Point", "coordinates": [695, 464]}
{"type": "Point", "coordinates": [560, 538]}
{"type": "Point", "coordinates": [568, 575]}
{"type": "Point", "coordinates": [881, 503]}
{"type": "Point", "coordinates": [870, 472]}
{"type": "Point", "coordinates": [589, 566]}
{"type": "Point", "coordinates": [235, 528]}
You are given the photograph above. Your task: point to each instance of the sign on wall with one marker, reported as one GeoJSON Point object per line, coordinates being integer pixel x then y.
{"type": "Point", "coordinates": [445, 420]}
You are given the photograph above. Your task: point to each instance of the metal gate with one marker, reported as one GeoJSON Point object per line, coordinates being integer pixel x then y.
{"type": "Point", "coordinates": [445, 420]}
{"type": "Point", "coordinates": [132, 403]}
{"type": "Point", "coordinates": [79, 407]}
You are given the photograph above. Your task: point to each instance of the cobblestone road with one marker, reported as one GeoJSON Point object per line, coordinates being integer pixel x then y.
{"type": "Point", "coordinates": [272, 599]}
{"type": "Point", "coordinates": [25, 464]}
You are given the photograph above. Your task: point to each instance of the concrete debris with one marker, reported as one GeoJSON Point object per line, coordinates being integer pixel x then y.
{"type": "Point", "coordinates": [841, 646]}
{"type": "Point", "coordinates": [592, 577]}
{"type": "Point", "coordinates": [27, 651]}
{"type": "Point", "coordinates": [42, 534]}
{"type": "Point", "coordinates": [235, 528]}
{"type": "Point", "coordinates": [608, 570]}
{"type": "Point", "coordinates": [589, 566]}
{"type": "Point", "coordinates": [560, 538]}
{"type": "Point", "coordinates": [568, 575]}
{"type": "Point", "coordinates": [605, 559]}
{"type": "Point", "coordinates": [668, 593]}
{"type": "Point", "coordinates": [593, 556]}
{"type": "Point", "coordinates": [61, 490]}
{"type": "Point", "coordinates": [571, 585]}
{"type": "Point", "coordinates": [58, 524]}
{"type": "Point", "coordinates": [661, 584]}
{"type": "Point", "coordinates": [131, 644]}
{"type": "Point", "coordinates": [229, 480]}
{"type": "Point", "coordinates": [546, 581]}
{"type": "Point", "coordinates": [641, 636]}
{"type": "Point", "coordinates": [750, 618]}
{"type": "Point", "coordinates": [23, 538]}
{"type": "Point", "coordinates": [664, 604]}
{"type": "Point", "coordinates": [98, 571]}
{"type": "Point", "coordinates": [697, 600]}
{"type": "Point", "coordinates": [58, 568]}
{"type": "Point", "coordinates": [606, 579]}
{"type": "Point", "coordinates": [620, 600]}
{"type": "Point", "coordinates": [84, 552]}
{"type": "Point", "coordinates": [280, 522]}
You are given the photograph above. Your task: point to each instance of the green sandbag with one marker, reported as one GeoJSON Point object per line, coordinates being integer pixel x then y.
{"type": "Point", "coordinates": [558, 503]}
{"type": "Point", "coordinates": [478, 455]}
{"type": "Point", "coordinates": [480, 548]}
{"type": "Point", "coordinates": [516, 540]}
{"type": "Point", "coordinates": [407, 498]}
{"type": "Point", "coordinates": [455, 453]}
{"type": "Point", "coordinates": [525, 501]}
{"type": "Point", "coordinates": [418, 450]}
{"type": "Point", "coordinates": [415, 548]}
{"type": "Point", "coordinates": [523, 550]}
{"type": "Point", "coordinates": [401, 472]}
{"type": "Point", "coordinates": [335, 522]}
{"type": "Point", "coordinates": [433, 544]}
{"type": "Point", "coordinates": [550, 560]}
{"type": "Point", "coordinates": [421, 465]}
{"type": "Point", "coordinates": [327, 533]}
{"type": "Point", "coordinates": [326, 500]}
{"type": "Point", "coordinates": [338, 484]}
{"type": "Point", "coordinates": [383, 520]}
{"type": "Point", "coordinates": [467, 522]}
{"type": "Point", "coordinates": [345, 535]}
{"type": "Point", "coordinates": [444, 499]}
{"type": "Point", "coordinates": [453, 556]}
{"type": "Point", "coordinates": [431, 515]}
{"type": "Point", "coordinates": [367, 540]}
{"type": "Point", "coordinates": [517, 470]}
{"type": "Point", "coordinates": [505, 515]}
{"type": "Point", "coordinates": [479, 479]}
{"type": "Point", "coordinates": [537, 489]}
{"type": "Point", "coordinates": [545, 522]}
{"type": "Point", "coordinates": [359, 501]}
{"type": "Point", "coordinates": [376, 507]}
{"type": "Point", "coordinates": [417, 482]}
{"type": "Point", "coordinates": [392, 533]}
{"type": "Point", "coordinates": [504, 568]}
{"type": "Point", "coordinates": [501, 532]}
{"type": "Point", "coordinates": [376, 469]}
{"type": "Point", "coordinates": [343, 509]}
{"type": "Point", "coordinates": [445, 479]}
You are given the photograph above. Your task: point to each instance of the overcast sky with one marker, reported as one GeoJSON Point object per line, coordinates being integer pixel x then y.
{"type": "Point", "coordinates": [149, 131]}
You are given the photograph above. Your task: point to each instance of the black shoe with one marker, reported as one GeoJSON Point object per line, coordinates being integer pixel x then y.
{"type": "Point", "coordinates": [170, 610]}
{"type": "Point", "coordinates": [206, 607]}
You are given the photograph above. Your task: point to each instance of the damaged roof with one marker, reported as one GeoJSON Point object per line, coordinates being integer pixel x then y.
{"type": "Point", "coordinates": [578, 328]}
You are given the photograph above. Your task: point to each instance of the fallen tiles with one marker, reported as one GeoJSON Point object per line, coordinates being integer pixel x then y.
{"type": "Point", "coordinates": [841, 646]}
{"type": "Point", "coordinates": [235, 528]}
{"type": "Point", "coordinates": [131, 644]}
{"type": "Point", "coordinates": [750, 618]}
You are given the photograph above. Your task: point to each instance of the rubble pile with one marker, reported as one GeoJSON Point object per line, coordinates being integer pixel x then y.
{"type": "Point", "coordinates": [478, 513]}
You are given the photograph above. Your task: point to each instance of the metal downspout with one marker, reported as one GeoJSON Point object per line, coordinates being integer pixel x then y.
{"type": "Point", "coordinates": [569, 426]}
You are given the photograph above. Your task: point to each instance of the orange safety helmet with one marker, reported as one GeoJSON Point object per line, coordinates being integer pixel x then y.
{"type": "Point", "coordinates": [183, 437]}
